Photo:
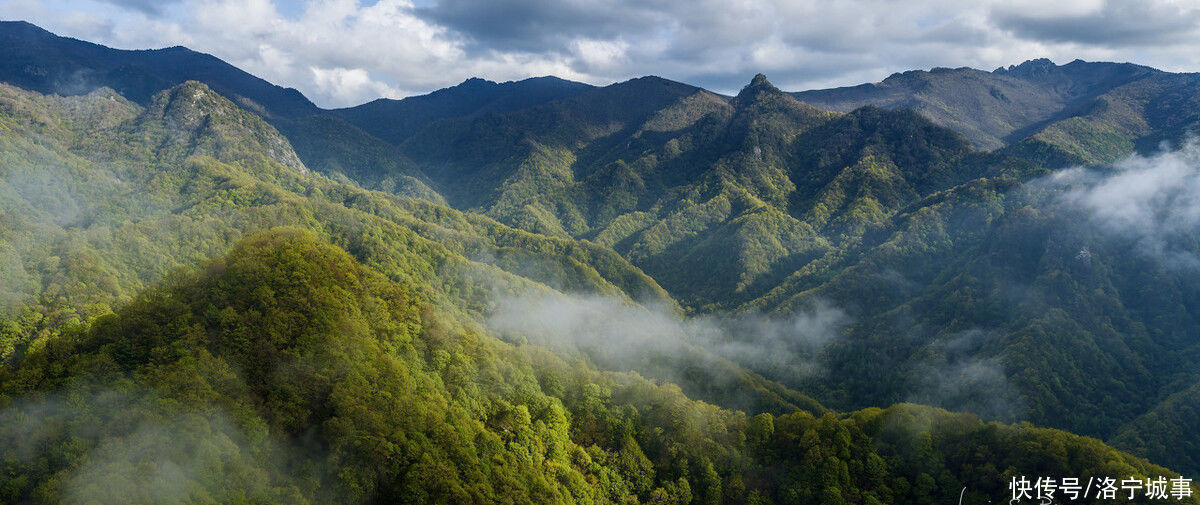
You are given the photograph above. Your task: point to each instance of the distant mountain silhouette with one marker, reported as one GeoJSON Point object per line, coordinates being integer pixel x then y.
{"type": "Point", "coordinates": [42, 61]}
{"type": "Point", "coordinates": [1011, 104]}
{"type": "Point", "coordinates": [397, 120]}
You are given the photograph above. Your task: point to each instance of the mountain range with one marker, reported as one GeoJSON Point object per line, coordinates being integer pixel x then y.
{"type": "Point", "coordinates": [546, 291]}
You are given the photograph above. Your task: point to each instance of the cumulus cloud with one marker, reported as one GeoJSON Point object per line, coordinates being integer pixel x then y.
{"type": "Point", "coordinates": [348, 85]}
{"type": "Point", "coordinates": [342, 52]}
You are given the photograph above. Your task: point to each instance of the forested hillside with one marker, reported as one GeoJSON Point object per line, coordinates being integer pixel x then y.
{"type": "Point", "coordinates": [41, 61]}
{"type": "Point", "coordinates": [953, 266]}
{"type": "Point", "coordinates": [212, 291]}
{"type": "Point", "coordinates": [1091, 112]}
{"type": "Point", "coordinates": [287, 372]}
{"type": "Point", "coordinates": [178, 182]}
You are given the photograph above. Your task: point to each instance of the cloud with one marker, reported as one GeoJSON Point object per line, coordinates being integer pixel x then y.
{"type": "Point", "coordinates": [1154, 200]}
{"type": "Point", "coordinates": [15, 287]}
{"type": "Point", "coordinates": [152, 7]}
{"type": "Point", "coordinates": [1107, 24]}
{"type": "Point", "coordinates": [655, 341]}
{"type": "Point", "coordinates": [536, 25]}
{"type": "Point", "coordinates": [955, 374]}
{"type": "Point", "coordinates": [348, 85]}
{"type": "Point", "coordinates": [403, 47]}
{"type": "Point", "coordinates": [131, 450]}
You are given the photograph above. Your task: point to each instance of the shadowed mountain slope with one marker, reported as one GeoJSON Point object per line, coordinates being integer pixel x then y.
{"type": "Point", "coordinates": [990, 108]}
{"type": "Point", "coordinates": [396, 120]}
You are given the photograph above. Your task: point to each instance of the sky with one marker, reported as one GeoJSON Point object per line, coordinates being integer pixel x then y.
{"type": "Point", "coordinates": [345, 52]}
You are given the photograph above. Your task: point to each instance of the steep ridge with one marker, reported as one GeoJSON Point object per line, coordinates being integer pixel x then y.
{"type": "Point", "coordinates": [1029, 307]}
{"type": "Point", "coordinates": [780, 207]}
{"type": "Point", "coordinates": [477, 160]}
{"type": "Point", "coordinates": [167, 186]}
{"type": "Point", "coordinates": [287, 372]}
{"type": "Point", "coordinates": [39, 60]}
{"type": "Point", "coordinates": [687, 175]}
{"type": "Point", "coordinates": [991, 109]}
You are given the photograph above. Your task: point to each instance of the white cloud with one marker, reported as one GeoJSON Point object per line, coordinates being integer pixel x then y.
{"type": "Point", "coordinates": [953, 373]}
{"type": "Point", "coordinates": [1154, 200]}
{"type": "Point", "coordinates": [622, 336]}
{"type": "Point", "coordinates": [349, 85]}
{"type": "Point", "coordinates": [396, 46]}
{"type": "Point", "coordinates": [600, 54]}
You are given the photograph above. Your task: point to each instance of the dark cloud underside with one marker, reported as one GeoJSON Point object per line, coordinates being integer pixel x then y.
{"type": "Point", "coordinates": [343, 52]}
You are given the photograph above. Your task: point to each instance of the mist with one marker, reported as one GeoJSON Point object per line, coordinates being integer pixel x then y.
{"type": "Point", "coordinates": [1153, 200]}
{"type": "Point", "coordinates": [957, 374]}
{"type": "Point", "coordinates": [139, 452]}
{"type": "Point", "coordinates": [16, 284]}
{"type": "Point", "coordinates": [620, 335]}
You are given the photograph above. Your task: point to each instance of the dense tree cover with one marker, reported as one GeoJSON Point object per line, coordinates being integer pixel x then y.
{"type": "Point", "coordinates": [174, 184]}
{"type": "Point", "coordinates": [1071, 326]}
{"type": "Point", "coordinates": [287, 371]}
{"type": "Point", "coordinates": [965, 282]}
{"type": "Point", "coordinates": [41, 61]}
{"type": "Point", "coordinates": [762, 203]}
{"type": "Point", "coordinates": [681, 174]}
{"type": "Point", "coordinates": [1165, 433]}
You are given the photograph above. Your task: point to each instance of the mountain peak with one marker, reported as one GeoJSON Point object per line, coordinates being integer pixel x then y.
{"type": "Point", "coordinates": [1029, 67]}
{"type": "Point", "coordinates": [36, 59]}
{"type": "Point", "coordinates": [25, 26]}
{"type": "Point", "coordinates": [189, 102]}
{"type": "Point", "coordinates": [209, 122]}
{"type": "Point", "coordinates": [758, 84]}
{"type": "Point", "coordinates": [475, 82]}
